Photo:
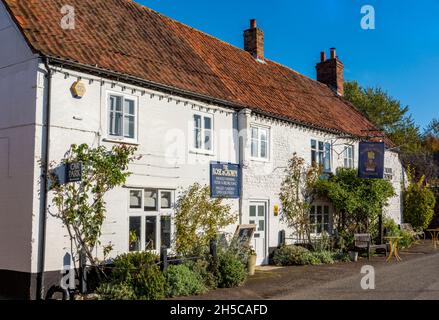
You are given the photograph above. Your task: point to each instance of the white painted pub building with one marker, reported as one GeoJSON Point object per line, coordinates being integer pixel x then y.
{"type": "Point", "coordinates": [184, 98]}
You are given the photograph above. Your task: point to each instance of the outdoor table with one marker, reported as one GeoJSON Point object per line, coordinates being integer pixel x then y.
{"type": "Point", "coordinates": [434, 235]}
{"type": "Point", "coordinates": [393, 241]}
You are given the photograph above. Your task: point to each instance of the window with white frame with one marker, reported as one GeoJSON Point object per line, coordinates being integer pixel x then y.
{"type": "Point", "coordinates": [150, 217]}
{"type": "Point", "coordinates": [348, 156]}
{"type": "Point", "coordinates": [203, 132]}
{"type": "Point", "coordinates": [321, 154]}
{"type": "Point", "coordinates": [388, 174]}
{"type": "Point", "coordinates": [260, 142]}
{"type": "Point", "coordinates": [121, 117]}
{"type": "Point", "coordinates": [319, 219]}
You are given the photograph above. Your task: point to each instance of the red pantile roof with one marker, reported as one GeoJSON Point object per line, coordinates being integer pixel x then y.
{"type": "Point", "coordinates": [128, 38]}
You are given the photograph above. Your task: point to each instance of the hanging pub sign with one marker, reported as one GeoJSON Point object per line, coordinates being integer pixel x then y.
{"type": "Point", "coordinates": [224, 180]}
{"type": "Point", "coordinates": [371, 160]}
{"type": "Point", "coordinates": [73, 172]}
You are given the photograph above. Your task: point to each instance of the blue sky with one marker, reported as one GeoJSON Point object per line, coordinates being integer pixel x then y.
{"type": "Point", "coordinates": [401, 55]}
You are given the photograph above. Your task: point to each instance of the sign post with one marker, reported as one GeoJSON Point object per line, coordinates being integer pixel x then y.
{"type": "Point", "coordinates": [225, 180]}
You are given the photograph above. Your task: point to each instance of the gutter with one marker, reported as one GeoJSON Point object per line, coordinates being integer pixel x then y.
{"type": "Point", "coordinates": [43, 213]}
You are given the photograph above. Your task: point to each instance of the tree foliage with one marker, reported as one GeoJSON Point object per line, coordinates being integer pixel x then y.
{"type": "Point", "coordinates": [81, 206]}
{"type": "Point", "coordinates": [297, 194]}
{"type": "Point", "coordinates": [358, 202]}
{"type": "Point", "coordinates": [387, 114]}
{"type": "Point", "coordinates": [198, 218]}
{"type": "Point", "coordinates": [419, 202]}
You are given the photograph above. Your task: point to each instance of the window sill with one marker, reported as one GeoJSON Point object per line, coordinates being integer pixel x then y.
{"type": "Point", "coordinates": [121, 141]}
{"type": "Point", "coordinates": [260, 160]}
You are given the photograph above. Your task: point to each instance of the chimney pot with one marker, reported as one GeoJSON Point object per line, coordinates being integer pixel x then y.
{"type": "Point", "coordinates": [330, 72]}
{"type": "Point", "coordinates": [254, 41]}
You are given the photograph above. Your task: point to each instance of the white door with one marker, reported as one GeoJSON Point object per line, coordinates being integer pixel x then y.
{"type": "Point", "coordinates": [258, 216]}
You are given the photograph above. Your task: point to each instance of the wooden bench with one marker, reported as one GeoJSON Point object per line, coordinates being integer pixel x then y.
{"type": "Point", "coordinates": [363, 241]}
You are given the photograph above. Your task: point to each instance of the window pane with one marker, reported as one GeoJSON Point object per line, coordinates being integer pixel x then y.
{"type": "Point", "coordinates": [136, 199]}
{"type": "Point", "coordinates": [116, 103]}
{"type": "Point", "coordinates": [263, 135]}
{"type": "Point", "coordinates": [261, 225]}
{"type": "Point", "coordinates": [252, 222]}
{"type": "Point", "coordinates": [327, 157]}
{"type": "Point", "coordinates": [165, 231]}
{"type": "Point", "coordinates": [207, 123]}
{"type": "Point", "coordinates": [261, 211]}
{"type": "Point", "coordinates": [263, 149]}
{"type": "Point", "coordinates": [252, 211]}
{"type": "Point", "coordinates": [326, 210]}
{"type": "Point", "coordinates": [255, 149]}
{"type": "Point", "coordinates": [255, 133]}
{"type": "Point", "coordinates": [208, 139]}
{"type": "Point", "coordinates": [313, 157]}
{"type": "Point", "coordinates": [150, 200]}
{"type": "Point", "coordinates": [134, 233]}
{"type": "Point", "coordinates": [150, 233]}
{"type": "Point", "coordinates": [313, 144]}
{"type": "Point", "coordinates": [319, 210]}
{"type": "Point", "coordinates": [128, 127]}
{"type": "Point", "coordinates": [197, 131]}
{"type": "Point", "coordinates": [128, 107]}
{"type": "Point", "coordinates": [166, 198]}
{"type": "Point", "coordinates": [320, 146]}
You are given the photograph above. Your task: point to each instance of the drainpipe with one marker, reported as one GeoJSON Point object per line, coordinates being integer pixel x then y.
{"type": "Point", "coordinates": [43, 218]}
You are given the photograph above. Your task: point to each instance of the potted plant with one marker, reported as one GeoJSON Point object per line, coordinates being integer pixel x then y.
{"type": "Point", "coordinates": [348, 245]}
{"type": "Point", "coordinates": [251, 264]}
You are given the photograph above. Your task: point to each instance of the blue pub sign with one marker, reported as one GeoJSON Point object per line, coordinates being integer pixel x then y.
{"type": "Point", "coordinates": [371, 160]}
{"type": "Point", "coordinates": [73, 172]}
{"type": "Point", "coordinates": [225, 180]}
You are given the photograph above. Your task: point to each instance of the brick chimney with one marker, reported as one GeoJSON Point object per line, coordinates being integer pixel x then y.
{"type": "Point", "coordinates": [330, 72]}
{"type": "Point", "coordinates": [254, 41]}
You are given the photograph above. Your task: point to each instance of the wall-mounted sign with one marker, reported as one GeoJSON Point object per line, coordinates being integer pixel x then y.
{"type": "Point", "coordinates": [276, 210]}
{"type": "Point", "coordinates": [73, 172]}
{"type": "Point", "coordinates": [78, 89]}
{"type": "Point", "coordinates": [371, 160]}
{"type": "Point", "coordinates": [224, 180]}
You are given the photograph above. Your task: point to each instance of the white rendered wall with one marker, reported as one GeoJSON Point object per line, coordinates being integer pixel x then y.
{"type": "Point", "coordinates": [18, 69]}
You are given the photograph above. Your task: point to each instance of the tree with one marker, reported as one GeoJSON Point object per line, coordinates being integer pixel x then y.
{"type": "Point", "coordinates": [387, 114]}
{"type": "Point", "coordinates": [358, 202]}
{"type": "Point", "coordinates": [81, 206]}
{"type": "Point", "coordinates": [419, 202]}
{"type": "Point", "coordinates": [297, 193]}
{"type": "Point", "coordinates": [198, 219]}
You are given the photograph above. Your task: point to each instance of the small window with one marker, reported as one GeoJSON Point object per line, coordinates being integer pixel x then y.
{"type": "Point", "coordinates": [319, 219]}
{"type": "Point", "coordinates": [348, 156]}
{"type": "Point", "coordinates": [259, 142]}
{"type": "Point", "coordinates": [150, 219]}
{"type": "Point", "coordinates": [136, 199]}
{"type": "Point", "coordinates": [166, 199]}
{"type": "Point", "coordinates": [150, 200]}
{"type": "Point", "coordinates": [135, 230]}
{"type": "Point", "coordinates": [121, 117]}
{"type": "Point", "coordinates": [203, 133]}
{"type": "Point", "coordinates": [321, 154]}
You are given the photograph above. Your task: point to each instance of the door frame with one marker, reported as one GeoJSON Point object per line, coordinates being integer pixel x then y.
{"type": "Point", "coordinates": [266, 203]}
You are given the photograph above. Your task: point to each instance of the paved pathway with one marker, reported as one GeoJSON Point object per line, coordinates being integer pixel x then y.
{"type": "Point", "coordinates": [416, 277]}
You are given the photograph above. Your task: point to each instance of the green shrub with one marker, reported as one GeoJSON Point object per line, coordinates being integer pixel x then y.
{"type": "Point", "coordinates": [291, 255]}
{"type": "Point", "coordinates": [202, 267]}
{"type": "Point", "coordinates": [232, 272]}
{"type": "Point", "coordinates": [182, 281]}
{"type": "Point", "coordinates": [325, 256]}
{"type": "Point", "coordinates": [310, 258]}
{"type": "Point", "coordinates": [419, 203]}
{"type": "Point", "coordinates": [341, 256]}
{"type": "Point", "coordinates": [115, 291]}
{"type": "Point", "coordinates": [141, 272]}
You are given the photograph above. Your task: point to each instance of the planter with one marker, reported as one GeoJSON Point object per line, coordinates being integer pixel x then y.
{"type": "Point", "coordinates": [353, 255]}
{"type": "Point", "coordinates": [251, 265]}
